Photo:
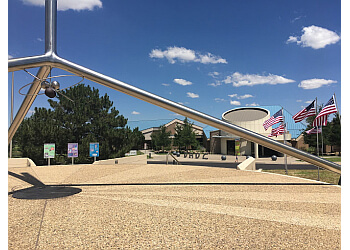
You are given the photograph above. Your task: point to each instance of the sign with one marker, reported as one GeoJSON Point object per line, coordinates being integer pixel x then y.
{"type": "Point", "coordinates": [49, 150]}
{"type": "Point", "coordinates": [72, 150]}
{"type": "Point", "coordinates": [94, 149]}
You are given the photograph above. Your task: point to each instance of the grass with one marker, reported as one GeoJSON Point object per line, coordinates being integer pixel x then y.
{"type": "Point", "coordinates": [330, 158]}
{"type": "Point", "coordinates": [333, 158]}
{"type": "Point", "coordinates": [325, 175]}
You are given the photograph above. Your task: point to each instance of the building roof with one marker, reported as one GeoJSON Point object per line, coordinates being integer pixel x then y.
{"type": "Point", "coordinates": [245, 114]}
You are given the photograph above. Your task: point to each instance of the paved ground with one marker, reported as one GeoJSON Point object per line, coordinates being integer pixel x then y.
{"type": "Point", "coordinates": [168, 207]}
{"type": "Point", "coordinates": [230, 162]}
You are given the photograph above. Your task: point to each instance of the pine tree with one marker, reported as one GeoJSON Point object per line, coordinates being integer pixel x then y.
{"type": "Point", "coordinates": [185, 137]}
{"type": "Point", "coordinates": [90, 118]}
{"type": "Point", "coordinates": [161, 139]}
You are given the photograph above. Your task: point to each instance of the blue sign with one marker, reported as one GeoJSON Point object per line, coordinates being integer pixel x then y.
{"type": "Point", "coordinates": [94, 149]}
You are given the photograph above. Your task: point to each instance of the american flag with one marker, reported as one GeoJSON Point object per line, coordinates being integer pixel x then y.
{"type": "Point", "coordinates": [277, 131]}
{"type": "Point", "coordinates": [321, 118]}
{"type": "Point", "coordinates": [276, 118]}
{"type": "Point", "coordinates": [306, 112]}
{"type": "Point", "coordinates": [314, 131]}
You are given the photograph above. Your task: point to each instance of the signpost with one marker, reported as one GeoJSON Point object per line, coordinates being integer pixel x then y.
{"type": "Point", "coordinates": [94, 150]}
{"type": "Point", "coordinates": [49, 151]}
{"type": "Point", "coordinates": [72, 151]}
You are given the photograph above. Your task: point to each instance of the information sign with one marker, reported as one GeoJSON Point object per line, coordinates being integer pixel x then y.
{"type": "Point", "coordinates": [49, 150]}
{"type": "Point", "coordinates": [94, 149]}
{"type": "Point", "coordinates": [72, 150]}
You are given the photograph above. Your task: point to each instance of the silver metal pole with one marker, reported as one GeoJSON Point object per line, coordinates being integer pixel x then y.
{"type": "Point", "coordinates": [194, 114]}
{"type": "Point", "coordinates": [51, 26]}
{"type": "Point", "coordinates": [284, 141]}
{"type": "Point", "coordinates": [27, 102]}
{"type": "Point", "coordinates": [318, 154]}
{"type": "Point", "coordinates": [11, 111]}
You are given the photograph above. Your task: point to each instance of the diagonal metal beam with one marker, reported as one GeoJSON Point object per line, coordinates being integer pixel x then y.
{"type": "Point", "coordinates": [43, 72]}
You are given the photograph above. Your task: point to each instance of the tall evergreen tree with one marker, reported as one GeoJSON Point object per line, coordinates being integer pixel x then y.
{"type": "Point", "coordinates": [334, 136]}
{"type": "Point", "coordinates": [185, 137]}
{"type": "Point", "coordinates": [90, 118]}
{"type": "Point", "coordinates": [161, 139]}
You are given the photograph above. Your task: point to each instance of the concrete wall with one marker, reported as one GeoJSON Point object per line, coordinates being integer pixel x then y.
{"type": "Point", "coordinates": [20, 162]}
{"type": "Point", "coordinates": [132, 160]}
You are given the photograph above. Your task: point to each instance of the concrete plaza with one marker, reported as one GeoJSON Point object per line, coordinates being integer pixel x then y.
{"type": "Point", "coordinates": [168, 207]}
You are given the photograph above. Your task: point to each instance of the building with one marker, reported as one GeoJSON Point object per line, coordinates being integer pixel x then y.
{"type": "Point", "coordinates": [252, 118]}
{"type": "Point", "coordinates": [170, 126]}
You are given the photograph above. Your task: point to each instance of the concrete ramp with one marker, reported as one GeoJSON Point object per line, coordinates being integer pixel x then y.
{"type": "Point", "coordinates": [248, 164]}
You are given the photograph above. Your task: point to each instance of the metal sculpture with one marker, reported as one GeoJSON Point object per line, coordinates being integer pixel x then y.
{"type": "Point", "coordinates": [50, 59]}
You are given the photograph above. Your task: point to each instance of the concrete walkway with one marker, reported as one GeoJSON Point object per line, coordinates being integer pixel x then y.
{"type": "Point", "coordinates": [168, 207]}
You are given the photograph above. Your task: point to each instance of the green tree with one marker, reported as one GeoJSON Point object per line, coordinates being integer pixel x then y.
{"type": "Point", "coordinates": [161, 138]}
{"type": "Point", "coordinates": [184, 136]}
{"type": "Point", "coordinates": [331, 133]}
{"type": "Point", "coordinates": [334, 135]}
{"type": "Point", "coordinates": [90, 118]}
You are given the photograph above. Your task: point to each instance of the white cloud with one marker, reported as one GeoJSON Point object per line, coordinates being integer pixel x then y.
{"type": "Point", "coordinates": [135, 113]}
{"type": "Point", "coordinates": [192, 95]}
{"type": "Point", "coordinates": [9, 57]}
{"type": "Point", "coordinates": [69, 4]}
{"type": "Point", "coordinates": [315, 83]}
{"type": "Point", "coordinates": [315, 37]}
{"type": "Point", "coordinates": [182, 82]}
{"type": "Point", "coordinates": [219, 100]}
{"type": "Point", "coordinates": [166, 84]}
{"type": "Point", "coordinates": [237, 79]}
{"type": "Point", "coordinates": [40, 39]}
{"type": "Point", "coordinates": [237, 103]}
{"type": "Point", "coordinates": [299, 101]}
{"type": "Point", "coordinates": [244, 96]}
{"type": "Point", "coordinates": [292, 39]}
{"type": "Point", "coordinates": [233, 95]}
{"type": "Point", "coordinates": [215, 84]}
{"type": "Point", "coordinates": [252, 104]}
{"type": "Point", "coordinates": [213, 74]}
{"type": "Point", "coordinates": [308, 102]}
{"type": "Point", "coordinates": [173, 54]}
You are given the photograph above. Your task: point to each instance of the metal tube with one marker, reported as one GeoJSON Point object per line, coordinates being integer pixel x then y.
{"type": "Point", "coordinates": [194, 114]}
{"type": "Point", "coordinates": [51, 26]}
{"type": "Point", "coordinates": [16, 64]}
{"type": "Point", "coordinates": [11, 111]}
{"type": "Point", "coordinates": [27, 102]}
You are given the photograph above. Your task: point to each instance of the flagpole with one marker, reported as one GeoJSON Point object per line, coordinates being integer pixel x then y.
{"type": "Point", "coordinates": [284, 141]}
{"type": "Point", "coordinates": [318, 153]}
{"type": "Point", "coordinates": [336, 103]}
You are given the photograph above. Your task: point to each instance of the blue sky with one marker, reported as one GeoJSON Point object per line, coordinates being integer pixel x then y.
{"type": "Point", "coordinates": [211, 56]}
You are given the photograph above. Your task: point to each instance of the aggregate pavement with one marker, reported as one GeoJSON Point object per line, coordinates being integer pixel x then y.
{"type": "Point", "coordinates": [157, 206]}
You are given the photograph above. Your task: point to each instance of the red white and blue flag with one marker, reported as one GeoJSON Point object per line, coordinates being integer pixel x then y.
{"type": "Point", "coordinates": [306, 112]}
{"type": "Point", "coordinates": [314, 131]}
{"type": "Point", "coordinates": [329, 108]}
{"type": "Point", "coordinates": [276, 118]}
{"type": "Point", "coordinates": [277, 131]}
